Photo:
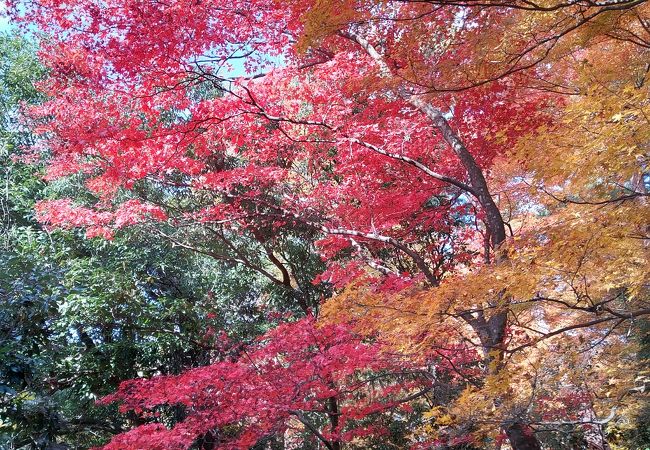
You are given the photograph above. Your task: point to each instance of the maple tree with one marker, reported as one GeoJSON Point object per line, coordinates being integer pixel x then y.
{"type": "Point", "coordinates": [403, 142]}
{"type": "Point", "coordinates": [79, 316]}
{"type": "Point", "coordinates": [574, 275]}
{"type": "Point", "coordinates": [297, 373]}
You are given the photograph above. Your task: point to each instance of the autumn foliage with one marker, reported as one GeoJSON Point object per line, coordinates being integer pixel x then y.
{"type": "Point", "coordinates": [474, 175]}
{"type": "Point", "coordinates": [296, 373]}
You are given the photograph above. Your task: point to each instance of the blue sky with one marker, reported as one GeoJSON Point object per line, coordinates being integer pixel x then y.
{"type": "Point", "coordinates": [4, 20]}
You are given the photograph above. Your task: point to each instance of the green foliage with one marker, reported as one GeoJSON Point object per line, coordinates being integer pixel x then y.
{"type": "Point", "coordinates": [79, 316]}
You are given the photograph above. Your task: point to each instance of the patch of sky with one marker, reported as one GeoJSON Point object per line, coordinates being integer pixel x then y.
{"type": "Point", "coordinates": [5, 24]}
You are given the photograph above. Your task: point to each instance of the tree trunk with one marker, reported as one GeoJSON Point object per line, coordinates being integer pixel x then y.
{"type": "Point", "coordinates": [522, 437]}
{"type": "Point", "coordinates": [491, 331]}
{"type": "Point", "coordinates": [333, 413]}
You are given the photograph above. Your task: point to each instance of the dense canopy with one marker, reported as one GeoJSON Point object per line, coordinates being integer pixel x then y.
{"type": "Point", "coordinates": [435, 214]}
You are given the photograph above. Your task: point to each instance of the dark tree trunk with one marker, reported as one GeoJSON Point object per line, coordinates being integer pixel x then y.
{"type": "Point", "coordinates": [522, 437]}
{"type": "Point", "coordinates": [333, 413]}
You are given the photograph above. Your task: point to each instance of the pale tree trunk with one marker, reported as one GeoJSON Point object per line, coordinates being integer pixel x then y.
{"type": "Point", "coordinates": [491, 331]}
{"type": "Point", "coordinates": [593, 433]}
